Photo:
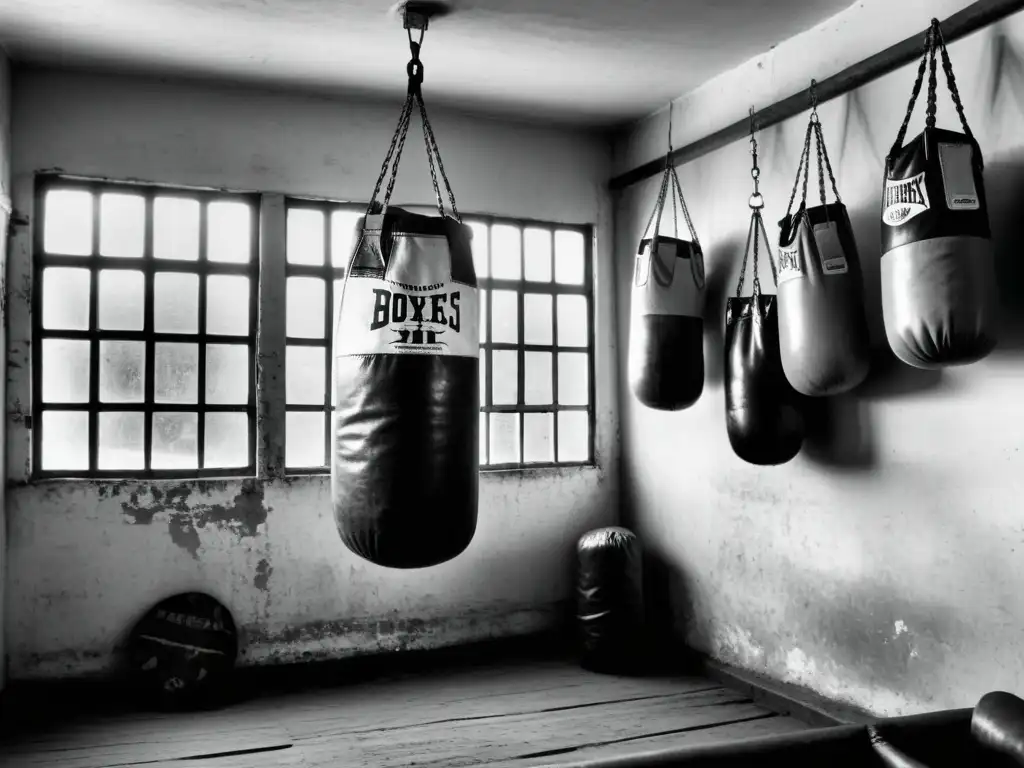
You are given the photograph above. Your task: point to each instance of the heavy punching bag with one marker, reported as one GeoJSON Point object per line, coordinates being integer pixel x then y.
{"type": "Point", "coordinates": [823, 329]}
{"type": "Point", "coordinates": [939, 298]}
{"type": "Point", "coordinates": [666, 329]}
{"type": "Point", "coordinates": [406, 421]}
{"type": "Point", "coordinates": [762, 412]}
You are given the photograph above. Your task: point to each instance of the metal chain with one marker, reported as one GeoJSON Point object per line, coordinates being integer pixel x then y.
{"type": "Point", "coordinates": [828, 164]}
{"type": "Point", "coordinates": [398, 159]}
{"type": "Point", "coordinates": [658, 206]}
{"type": "Point", "coordinates": [432, 142]}
{"type": "Point", "coordinates": [954, 92]}
{"type": "Point", "coordinates": [929, 120]}
{"type": "Point", "coordinates": [402, 120]}
{"type": "Point", "coordinates": [756, 203]}
{"type": "Point", "coordinates": [686, 211]}
{"type": "Point", "coordinates": [801, 170]}
{"type": "Point", "coordinates": [915, 92]}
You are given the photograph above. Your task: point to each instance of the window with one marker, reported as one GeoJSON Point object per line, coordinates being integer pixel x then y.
{"type": "Point", "coordinates": [536, 334]}
{"type": "Point", "coordinates": [319, 244]}
{"type": "Point", "coordinates": [144, 330]}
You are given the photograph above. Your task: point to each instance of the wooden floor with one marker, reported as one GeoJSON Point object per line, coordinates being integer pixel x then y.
{"type": "Point", "coordinates": [512, 714]}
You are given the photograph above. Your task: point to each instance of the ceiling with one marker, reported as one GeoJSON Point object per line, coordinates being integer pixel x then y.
{"type": "Point", "coordinates": [593, 62]}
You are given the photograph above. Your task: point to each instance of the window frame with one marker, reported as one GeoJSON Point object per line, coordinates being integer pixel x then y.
{"type": "Point", "coordinates": [149, 266]}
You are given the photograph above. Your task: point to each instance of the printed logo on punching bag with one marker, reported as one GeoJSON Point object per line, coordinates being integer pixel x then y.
{"type": "Point", "coordinates": [790, 264]}
{"type": "Point", "coordinates": [904, 199]}
{"type": "Point", "coordinates": [417, 320]}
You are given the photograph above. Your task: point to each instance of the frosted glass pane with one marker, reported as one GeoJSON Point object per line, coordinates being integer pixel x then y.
{"type": "Point", "coordinates": [480, 246]}
{"type": "Point", "coordinates": [304, 439]}
{"type": "Point", "coordinates": [176, 228]}
{"type": "Point", "coordinates": [483, 315]}
{"type": "Point", "coordinates": [122, 225]}
{"type": "Point", "coordinates": [569, 257]}
{"type": "Point", "coordinates": [538, 380]}
{"type": "Point", "coordinates": [538, 437]}
{"type": "Point", "coordinates": [305, 314]}
{"type": "Point", "coordinates": [65, 441]}
{"type": "Point", "coordinates": [537, 254]}
{"type": "Point", "coordinates": [122, 371]}
{"type": "Point", "coordinates": [573, 379]}
{"type": "Point", "coordinates": [122, 297]}
{"type": "Point", "coordinates": [176, 373]}
{"type": "Point", "coordinates": [66, 299]}
{"type": "Point", "coordinates": [226, 443]}
{"type": "Point", "coordinates": [175, 441]}
{"type": "Point", "coordinates": [504, 438]}
{"type": "Point", "coordinates": [228, 232]}
{"type": "Point", "coordinates": [505, 381]}
{"type": "Point", "coordinates": [573, 436]}
{"type": "Point", "coordinates": [305, 236]}
{"type": "Point", "coordinates": [505, 317]}
{"type": "Point", "coordinates": [227, 374]}
{"type": "Point", "coordinates": [506, 252]}
{"type": "Point", "coordinates": [537, 320]}
{"type": "Point", "coordinates": [67, 230]}
{"type": "Point", "coordinates": [305, 369]}
{"type": "Point", "coordinates": [572, 321]}
{"type": "Point", "coordinates": [121, 440]}
{"type": "Point", "coordinates": [227, 305]}
{"type": "Point", "coordinates": [344, 228]}
{"type": "Point", "coordinates": [175, 302]}
{"type": "Point", "coordinates": [65, 371]}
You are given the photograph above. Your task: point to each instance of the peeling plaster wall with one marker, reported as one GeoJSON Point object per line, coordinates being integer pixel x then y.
{"type": "Point", "coordinates": [879, 567]}
{"type": "Point", "coordinates": [5, 193]}
{"type": "Point", "coordinates": [87, 558]}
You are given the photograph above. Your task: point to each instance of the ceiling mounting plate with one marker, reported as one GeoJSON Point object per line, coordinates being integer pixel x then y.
{"type": "Point", "coordinates": [416, 14]}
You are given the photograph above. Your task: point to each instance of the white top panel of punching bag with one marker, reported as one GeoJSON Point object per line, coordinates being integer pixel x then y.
{"type": "Point", "coordinates": [664, 284]}
{"type": "Point", "coordinates": [416, 309]}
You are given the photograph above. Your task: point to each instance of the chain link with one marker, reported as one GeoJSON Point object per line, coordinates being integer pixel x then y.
{"type": "Point", "coordinates": [915, 92]}
{"type": "Point", "coordinates": [929, 119]}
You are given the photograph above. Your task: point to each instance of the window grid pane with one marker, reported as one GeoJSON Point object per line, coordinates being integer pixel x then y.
{"type": "Point", "coordinates": [133, 403]}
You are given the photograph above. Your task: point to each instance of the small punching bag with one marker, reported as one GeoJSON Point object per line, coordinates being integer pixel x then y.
{"type": "Point", "coordinates": [666, 329]}
{"type": "Point", "coordinates": [939, 297]}
{"type": "Point", "coordinates": [406, 379]}
{"type": "Point", "coordinates": [823, 329]}
{"type": "Point", "coordinates": [762, 412]}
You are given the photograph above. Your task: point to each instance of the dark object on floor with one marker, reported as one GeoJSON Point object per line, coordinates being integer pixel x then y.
{"type": "Point", "coordinates": [181, 654]}
{"type": "Point", "coordinates": [609, 600]}
{"type": "Point", "coordinates": [998, 725]}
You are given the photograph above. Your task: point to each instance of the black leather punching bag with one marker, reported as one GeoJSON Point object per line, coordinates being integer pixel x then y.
{"type": "Point", "coordinates": [823, 328]}
{"type": "Point", "coordinates": [939, 294]}
{"type": "Point", "coordinates": [763, 417]}
{"type": "Point", "coordinates": [666, 331]}
{"type": "Point", "coordinates": [406, 380]}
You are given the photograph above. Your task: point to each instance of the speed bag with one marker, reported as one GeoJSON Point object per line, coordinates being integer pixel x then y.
{"type": "Point", "coordinates": [823, 329]}
{"type": "Point", "coordinates": [939, 297]}
{"type": "Point", "coordinates": [406, 456]}
{"type": "Point", "coordinates": [666, 334]}
{"type": "Point", "coordinates": [182, 652]}
{"type": "Point", "coordinates": [763, 417]}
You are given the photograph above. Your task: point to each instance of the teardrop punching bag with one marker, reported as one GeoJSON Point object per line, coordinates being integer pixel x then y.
{"type": "Point", "coordinates": [406, 421]}
{"type": "Point", "coordinates": [939, 298]}
{"type": "Point", "coordinates": [762, 413]}
{"type": "Point", "coordinates": [823, 329]}
{"type": "Point", "coordinates": [666, 329]}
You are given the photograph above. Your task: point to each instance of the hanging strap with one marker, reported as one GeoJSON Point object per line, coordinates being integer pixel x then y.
{"type": "Point", "coordinates": [934, 44]}
{"type": "Point", "coordinates": [669, 184]}
{"type": "Point", "coordinates": [824, 163]}
{"type": "Point", "coordinates": [414, 97]}
{"type": "Point", "coordinates": [756, 230]}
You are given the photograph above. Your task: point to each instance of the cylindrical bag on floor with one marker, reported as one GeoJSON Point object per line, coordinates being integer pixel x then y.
{"type": "Point", "coordinates": [823, 328]}
{"type": "Point", "coordinates": [609, 599]}
{"type": "Point", "coordinates": [666, 331]}
{"type": "Point", "coordinates": [406, 380]}
{"type": "Point", "coordinates": [763, 417]}
{"type": "Point", "coordinates": [939, 296]}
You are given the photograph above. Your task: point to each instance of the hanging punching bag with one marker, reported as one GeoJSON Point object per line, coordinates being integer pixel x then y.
{"type": "Point", "coordinates": [406, 448]}
{"type": "Point", "coordinates": [762, 413]}
{"type": "Point", "coordinates": [939, 297]}
{"type": "Point", "coordinates": [666, 331]}
{"type": "Point", "coordinates": [823, 329]}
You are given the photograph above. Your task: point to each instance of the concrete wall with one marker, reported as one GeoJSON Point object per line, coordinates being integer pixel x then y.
{"type": "Point", "coordinates": [880, 566]}
{"type": "Point", "coordinates": [5, 194]}
{"type": "Point", "coordinates": [86, 558]}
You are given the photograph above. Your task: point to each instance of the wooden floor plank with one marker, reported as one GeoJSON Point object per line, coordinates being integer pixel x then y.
{"type": "Point", "coordinates": [472, 742]}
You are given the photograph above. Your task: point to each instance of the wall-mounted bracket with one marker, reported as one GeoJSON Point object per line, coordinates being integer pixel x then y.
{"type": "Point", "coordinates": [416, 14]}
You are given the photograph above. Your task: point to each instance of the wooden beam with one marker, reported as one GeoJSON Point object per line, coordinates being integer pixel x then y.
{"type": "Point", "coordinates": [976, 16]}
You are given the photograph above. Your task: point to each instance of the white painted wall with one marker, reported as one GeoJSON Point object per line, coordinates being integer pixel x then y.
{"type": "Point", "coordinates": [880, 567]}
{"type": "Point", "coordinates": [80, 572]}
{"type": "Point", "coordinates": [5, 194]}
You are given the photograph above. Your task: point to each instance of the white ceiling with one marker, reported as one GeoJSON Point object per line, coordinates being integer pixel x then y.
{"type": "Point", "coordinates": [595, 62]}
